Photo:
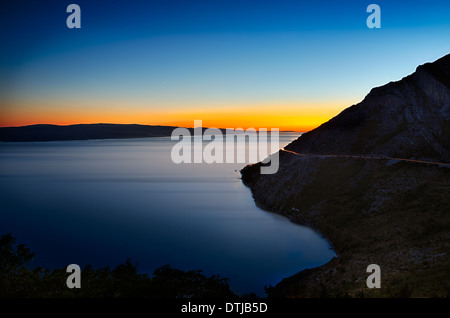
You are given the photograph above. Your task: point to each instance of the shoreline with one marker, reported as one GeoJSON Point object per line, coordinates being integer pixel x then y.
{"type": "Point", "coordinates": [403, 236]}
{"type": "Point", "coordinates": [298, 221]}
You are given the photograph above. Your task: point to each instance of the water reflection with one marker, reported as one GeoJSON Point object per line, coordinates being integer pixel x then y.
{"type": "Point", "coordinates": [101, 201]}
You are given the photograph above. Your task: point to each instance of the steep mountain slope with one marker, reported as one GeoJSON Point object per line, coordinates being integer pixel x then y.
{"type": "Point", "coordinates": [408, 118]}
{"type": "Point", "coordinates": [392, 213]}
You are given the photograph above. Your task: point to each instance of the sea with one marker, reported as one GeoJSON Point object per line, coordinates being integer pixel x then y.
{"type": "Point", "coordinates": [100, 202]}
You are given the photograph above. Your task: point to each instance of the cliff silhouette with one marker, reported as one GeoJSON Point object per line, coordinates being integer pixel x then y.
{"type": "Point", "coordinates": [373, 211]}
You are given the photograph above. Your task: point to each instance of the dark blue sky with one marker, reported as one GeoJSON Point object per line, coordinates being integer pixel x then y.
{"type": "Point", "coordinates": [37, 24]}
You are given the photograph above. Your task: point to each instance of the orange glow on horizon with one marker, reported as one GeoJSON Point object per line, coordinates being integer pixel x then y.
{"type": "Point", "coordinates": [285, 117]}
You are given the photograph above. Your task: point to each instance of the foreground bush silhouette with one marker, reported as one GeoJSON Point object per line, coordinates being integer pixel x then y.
{"type": "Point", "coordinates": [18, 280]}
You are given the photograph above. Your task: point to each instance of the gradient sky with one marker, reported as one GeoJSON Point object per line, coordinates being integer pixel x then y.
{"type": "Point", "coordinates": [266, 63]}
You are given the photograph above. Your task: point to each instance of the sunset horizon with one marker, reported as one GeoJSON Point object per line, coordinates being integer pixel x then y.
{"type": "Point", "coordinates": [208, 122]}
{"type": "Point", "coordinates": [261, 66]}
{"type": "Point", "coordinates": [250, 116]}
{"type": "Point", "coordinates": [257, 128]}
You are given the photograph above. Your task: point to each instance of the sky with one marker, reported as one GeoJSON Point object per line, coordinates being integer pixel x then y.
{"type": "Point", "coordinates": [290, 65]}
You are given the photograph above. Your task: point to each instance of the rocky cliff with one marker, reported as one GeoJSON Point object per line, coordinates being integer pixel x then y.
{"type": "Point", "coordinates": [392, 213]}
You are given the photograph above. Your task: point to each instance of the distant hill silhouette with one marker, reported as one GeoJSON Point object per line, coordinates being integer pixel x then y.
{"type": "Point", "coordinates": [43, 132]}
{"type": "Point", "coordinates": [82, 132]}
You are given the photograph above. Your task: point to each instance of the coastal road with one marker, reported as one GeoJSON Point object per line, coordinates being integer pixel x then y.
{"type": "Point", "coordinates": [366, 157]}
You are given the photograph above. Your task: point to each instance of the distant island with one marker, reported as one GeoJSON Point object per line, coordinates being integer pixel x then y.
{"type": "Point", "coordinates": [45, 132]}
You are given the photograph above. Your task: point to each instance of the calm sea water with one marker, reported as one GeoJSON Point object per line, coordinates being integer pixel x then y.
{"type": "Point", "coordinates": [100, 202]}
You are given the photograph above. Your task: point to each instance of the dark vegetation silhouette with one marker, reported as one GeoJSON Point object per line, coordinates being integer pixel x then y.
{"type": "Point", "coordinates": [19, 281]}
